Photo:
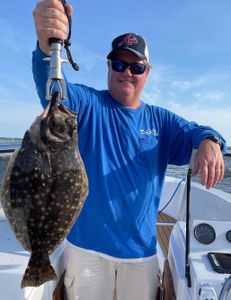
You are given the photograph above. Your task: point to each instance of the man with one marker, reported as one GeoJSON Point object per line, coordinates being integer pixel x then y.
{"type": "Point", "coordinates": [126, 146]}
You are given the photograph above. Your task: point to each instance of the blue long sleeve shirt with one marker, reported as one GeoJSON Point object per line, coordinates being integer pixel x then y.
{"type": "Point", "coordinates": [126, 152]}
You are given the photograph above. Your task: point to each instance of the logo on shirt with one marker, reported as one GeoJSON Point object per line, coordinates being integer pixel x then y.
{"type": "Point", "coordinates": [149, 132]}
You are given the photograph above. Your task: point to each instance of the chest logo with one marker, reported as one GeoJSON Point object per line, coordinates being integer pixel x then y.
{"type": "Point", "coordinates": [149, 132]}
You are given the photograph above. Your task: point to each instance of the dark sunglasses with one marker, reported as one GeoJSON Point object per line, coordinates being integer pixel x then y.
{"type": "Point", "coordinates": [121, 66]}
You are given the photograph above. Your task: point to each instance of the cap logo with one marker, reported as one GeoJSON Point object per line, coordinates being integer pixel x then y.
{"type": "Point", "coordinates": [128, 41]}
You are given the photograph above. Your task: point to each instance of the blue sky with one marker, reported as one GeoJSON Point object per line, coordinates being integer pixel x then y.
{"type": "Point", "coordinates": [189, 46]}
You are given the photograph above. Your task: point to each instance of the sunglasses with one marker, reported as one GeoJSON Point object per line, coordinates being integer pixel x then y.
{"type": "Point", "coordinates": [121, 66]}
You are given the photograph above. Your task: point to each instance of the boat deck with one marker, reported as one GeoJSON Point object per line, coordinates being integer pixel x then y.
{"type": "Point", "coordinates": [164, 228]}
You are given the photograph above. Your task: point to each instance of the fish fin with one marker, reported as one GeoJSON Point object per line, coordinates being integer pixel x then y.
{"type": "Point", "coordinates": [37, 274]}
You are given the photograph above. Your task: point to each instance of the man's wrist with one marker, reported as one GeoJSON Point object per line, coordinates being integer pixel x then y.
{"type": "Point", "coordinates": [215, 139]}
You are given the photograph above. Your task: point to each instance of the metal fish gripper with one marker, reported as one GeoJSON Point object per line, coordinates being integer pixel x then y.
{"type": "Point", "coordinates": [55, 80]}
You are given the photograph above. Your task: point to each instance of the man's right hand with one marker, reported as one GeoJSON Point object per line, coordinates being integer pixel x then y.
{"type": "Point", "coordinates": [50, 22]}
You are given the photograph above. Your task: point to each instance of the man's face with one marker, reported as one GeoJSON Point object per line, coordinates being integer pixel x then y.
{"type": "Point", "coordinates": [126, 87]}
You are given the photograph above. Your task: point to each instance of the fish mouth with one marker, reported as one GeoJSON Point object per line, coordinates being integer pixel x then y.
{"type": "Point", "coordinates": [55, 128]}
{"type": "Point", "coordinates": [58, 128]}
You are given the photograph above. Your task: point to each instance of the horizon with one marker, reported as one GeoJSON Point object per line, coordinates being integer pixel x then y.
{"type": "Point", "coordinates": [189, 48]}
{"type": "Point", "coordinates": [21, 138]}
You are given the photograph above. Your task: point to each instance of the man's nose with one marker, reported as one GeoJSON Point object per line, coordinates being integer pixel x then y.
{"type": "Point", "coordinates": [127, 71]}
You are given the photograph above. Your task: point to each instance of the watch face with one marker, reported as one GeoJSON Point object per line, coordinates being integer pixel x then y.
{"type": "Point", "coordinates": [204, 233]}
{"type": "Point", "coordinates": [228, 236]}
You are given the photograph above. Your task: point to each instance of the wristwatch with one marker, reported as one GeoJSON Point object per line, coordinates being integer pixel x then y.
{"type": "Point", "coordinates": [214, 139]}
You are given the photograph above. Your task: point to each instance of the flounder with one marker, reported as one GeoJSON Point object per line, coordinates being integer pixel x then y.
{"type": "Point", "coordinates": [44, 189]}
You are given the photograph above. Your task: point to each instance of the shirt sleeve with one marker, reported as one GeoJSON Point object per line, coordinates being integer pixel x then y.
{"type": "Point", "coordinates": [40, 70]}
{"type": "Point", "coordinates": [184, 136]}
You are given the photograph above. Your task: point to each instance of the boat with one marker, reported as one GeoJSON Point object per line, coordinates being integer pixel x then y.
{"type": "Point", "coordinates": [197, 263]}
{"type": "Point", "coordinates": [194, 248]}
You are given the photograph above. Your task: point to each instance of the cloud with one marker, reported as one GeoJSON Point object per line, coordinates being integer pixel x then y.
{"type": "Point", "coordinates": [170, 84]}
{"type": "Point", "coordinates": [217, 118]}
{"type": "Point", "coordinates": [17, 91]}
{"type": "Point", "coordinates": [214, 96]}
{"type": "Point", "coordinates": [13, 39]}
{"type": "Point", "coordinates": [201, 97]}
{"type": "Point", "coordinates": [16, 118]}
{"type": "Point", "coordinates": [186, 85]}
{"type": "Point", "coordinates": [93, 68]}
{"type": "Point", "coordinates": [88, 59]}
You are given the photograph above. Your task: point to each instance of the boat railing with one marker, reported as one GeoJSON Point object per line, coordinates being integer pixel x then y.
{"type": "Point", "coordinates": [225, 289]}
{"type": "Point", "coordinates": [3, 151]}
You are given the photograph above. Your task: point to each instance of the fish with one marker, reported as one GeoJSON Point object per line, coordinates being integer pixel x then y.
{"type": "Point", "coordinates": [44, 188]}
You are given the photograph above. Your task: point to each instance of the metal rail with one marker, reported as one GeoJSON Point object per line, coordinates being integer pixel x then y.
{"type": "Point", "coordinates": [225, 289]}
{"type": "Point", "coordinates": [7, 151]}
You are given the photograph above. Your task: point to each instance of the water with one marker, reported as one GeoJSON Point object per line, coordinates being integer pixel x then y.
{"type": "Point", "coordinates": [179, 172]}
{"type": "Point", "coordinates": [224, 185]}
{"type": "Point", "coordinates": [10, 145]}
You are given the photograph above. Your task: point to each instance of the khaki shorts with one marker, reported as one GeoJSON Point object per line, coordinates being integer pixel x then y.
{"type": "Point", "coordinates": [93, 277]}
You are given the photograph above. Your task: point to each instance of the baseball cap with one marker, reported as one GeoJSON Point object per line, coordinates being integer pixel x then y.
{"type": "Point", "coordinates": [132, 42]}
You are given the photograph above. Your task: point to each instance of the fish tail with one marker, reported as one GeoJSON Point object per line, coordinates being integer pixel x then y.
{"type": "Point", "coordinates": [38, 272]}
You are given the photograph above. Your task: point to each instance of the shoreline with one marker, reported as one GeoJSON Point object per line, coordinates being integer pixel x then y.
{"type": "Point", "coordinates": [5, 140]}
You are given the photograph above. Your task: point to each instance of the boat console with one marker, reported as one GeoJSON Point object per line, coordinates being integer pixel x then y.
{"type": "Point", "coordinates": [202, 270]}
{"type": "Point", "coordinates": [205, 281]}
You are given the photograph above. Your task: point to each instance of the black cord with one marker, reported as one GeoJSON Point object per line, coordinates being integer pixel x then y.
{"type": "Point", "coordinates": [67, 42]}
{"type": "Point", "coordinates": [174, 193]}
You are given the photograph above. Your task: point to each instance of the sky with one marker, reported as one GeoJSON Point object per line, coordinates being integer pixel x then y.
{"type": "Point", "coordinates": [189, 47]}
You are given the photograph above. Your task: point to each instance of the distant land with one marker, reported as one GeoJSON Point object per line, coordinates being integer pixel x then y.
{"type": "Point", "coordinates": [6, 139]}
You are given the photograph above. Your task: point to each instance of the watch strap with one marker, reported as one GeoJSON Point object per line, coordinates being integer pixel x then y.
{"type": "Point", "coordinates": [214, 139]}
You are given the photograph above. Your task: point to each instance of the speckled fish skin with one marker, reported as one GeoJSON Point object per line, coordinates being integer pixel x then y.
{"type": "Point", "coordinates": [44, 189]}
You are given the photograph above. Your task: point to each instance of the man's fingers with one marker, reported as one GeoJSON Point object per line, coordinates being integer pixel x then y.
{"type": "Point", "coordinates": [50, 22]}
{"type": "Point", "coordinates": [196, 167]}
{"type": "Point", "coordinates": [220, 170]}
{"type": "Point", "coordinates": [204, 174]}
{"type": "Point", "coordinates": [213, 175]}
